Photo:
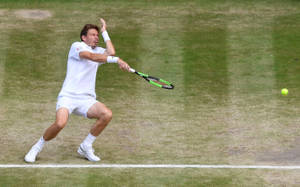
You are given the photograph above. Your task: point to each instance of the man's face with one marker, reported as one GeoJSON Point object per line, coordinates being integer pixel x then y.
{"type": "Point", "coordinates": [92, 38]}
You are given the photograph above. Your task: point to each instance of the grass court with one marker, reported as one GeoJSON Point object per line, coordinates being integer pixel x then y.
{"type": "Point", "coordinates": [227, 59]}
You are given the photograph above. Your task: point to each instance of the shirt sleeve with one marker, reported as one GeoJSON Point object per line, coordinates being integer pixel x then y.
{"type": "Point", "coordinates": [76, 48]}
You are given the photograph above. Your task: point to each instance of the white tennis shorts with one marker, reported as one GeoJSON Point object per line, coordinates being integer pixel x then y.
{"type": "Point", "coordinates": [76, 105]}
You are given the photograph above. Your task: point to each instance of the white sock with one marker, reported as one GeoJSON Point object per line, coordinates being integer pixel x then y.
{"type": "Point", "coordinates": [89, 140]}
{"type": "Point", "coordinates": [40, 143]}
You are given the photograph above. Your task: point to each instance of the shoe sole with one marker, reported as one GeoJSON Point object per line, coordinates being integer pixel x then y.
{"type": "Point", "coordinates": [29, 161]}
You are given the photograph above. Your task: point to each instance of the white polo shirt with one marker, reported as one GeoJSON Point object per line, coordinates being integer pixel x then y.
{"type": "Point", "coordinates": [81, 73]}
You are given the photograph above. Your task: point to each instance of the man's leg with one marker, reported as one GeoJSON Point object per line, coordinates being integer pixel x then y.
{"type": "Point", "coordinates": [103, 115]}
{"type": "Point", "coordinates": [62, 116]}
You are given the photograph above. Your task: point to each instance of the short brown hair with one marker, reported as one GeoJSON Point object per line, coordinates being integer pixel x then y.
{"type": "Point", "coordinates": [86, 28]}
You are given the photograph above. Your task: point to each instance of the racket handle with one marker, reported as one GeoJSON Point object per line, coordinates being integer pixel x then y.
{"type": "Point", "coordinates": [132, 70]}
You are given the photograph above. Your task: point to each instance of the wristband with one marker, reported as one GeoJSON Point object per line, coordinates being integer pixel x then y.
{"type": "Point", "coordinates": [112, 59]}
{"type": "Point", "coordinates": [105, 36]}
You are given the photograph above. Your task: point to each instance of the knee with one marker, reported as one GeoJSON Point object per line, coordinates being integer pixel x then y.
{"type": "Point", "coordinates": [106, 115]}
{"type": "Point", "coordinates": [60, 124]}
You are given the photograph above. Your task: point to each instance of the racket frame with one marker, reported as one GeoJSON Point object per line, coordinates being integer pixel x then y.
{"type": "Point", "coordinates": [147, 78]}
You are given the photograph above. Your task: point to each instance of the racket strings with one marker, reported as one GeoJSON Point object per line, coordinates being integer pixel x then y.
{"type": "Point", "coordinates": [161, 82]}
{"type": "Point", "coordinates": [156, 81]}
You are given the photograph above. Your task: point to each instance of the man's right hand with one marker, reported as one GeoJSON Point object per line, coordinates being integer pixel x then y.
{"type": "Point", "coordinates": [123, 65]}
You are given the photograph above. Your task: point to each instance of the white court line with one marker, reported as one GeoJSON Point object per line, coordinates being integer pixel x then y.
{"type": "Point", "coordinates": [147, 166]}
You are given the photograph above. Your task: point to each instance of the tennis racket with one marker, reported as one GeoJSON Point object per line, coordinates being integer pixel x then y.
{"type": "Point", "coordinates": [153, 80]}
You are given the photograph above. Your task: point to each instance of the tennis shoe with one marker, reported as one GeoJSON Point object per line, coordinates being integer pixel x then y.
{"type": "Point", "coordinates": [88, 153]}
{"type": "Point", "coordinates": [31, 155]}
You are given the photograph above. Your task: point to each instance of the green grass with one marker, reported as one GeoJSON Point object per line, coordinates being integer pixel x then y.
{"type": "Point", "coordinates": [286, 47]}
{"type": "Point", "coordinates": [129, 177]}
{"type": "Point", "coordinates": [227, 59]}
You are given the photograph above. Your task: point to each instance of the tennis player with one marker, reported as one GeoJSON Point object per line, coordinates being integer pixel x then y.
{"type": "Point", "coordinates": [78, 95]}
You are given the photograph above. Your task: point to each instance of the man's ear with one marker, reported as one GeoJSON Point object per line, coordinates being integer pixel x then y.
{"type": "Point", "coordinates": [83, 37]}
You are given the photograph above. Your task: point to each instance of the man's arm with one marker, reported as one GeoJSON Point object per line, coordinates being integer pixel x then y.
{"type": "Point", "coordinates": [103, 58]}
{"type": "Point", "coordinates": [93, 56]}
{"type": "Point", "coordinates": [110, 49]}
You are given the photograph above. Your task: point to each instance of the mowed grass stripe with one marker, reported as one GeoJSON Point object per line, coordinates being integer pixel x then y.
{"type": "Point", "coordinates": [3, 47]}
{"type": "Point", "coordinates": [286, 50]}
{"type": "Point", "coordinates": [119, 90]}
{"type": "Point", "coordinates": [205, 86]}
{"type": "Point", "coordinates": [3, 51]}
{"type": "Point", "coordinates": [25, 85]}
{"type": "Point", "coordinates": [158, 110]}
{"type": "Point", "coordinates": [286, 47]}
{"type": "Point", "coordinates": [252, 87]}
{"type": "Point", "coordinates": [26, 62]}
